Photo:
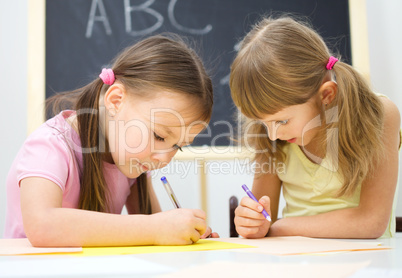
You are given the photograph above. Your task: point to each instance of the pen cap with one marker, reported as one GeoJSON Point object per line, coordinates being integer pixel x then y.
{"type": "Point", "coordinates": [170, 192]}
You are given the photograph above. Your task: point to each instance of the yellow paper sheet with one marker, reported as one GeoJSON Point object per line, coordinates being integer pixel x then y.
{"type": "Point", "coordinates": [22, 246]}
{"type": "Point", "coordinates": [201, 245]}
{"type": "Point", "coordinates": [297, 245]}
{"type": "Point", "coordinates": [271, 245]}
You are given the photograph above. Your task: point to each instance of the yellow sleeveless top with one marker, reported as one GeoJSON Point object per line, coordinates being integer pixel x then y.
{"type": "Point", "coordinates": [310, 188]}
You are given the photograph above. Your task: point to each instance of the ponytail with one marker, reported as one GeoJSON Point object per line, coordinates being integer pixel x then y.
{"type": "Point", "coordinates": [143, 194]}
{"type": "Point", "coordinates": [93, 188]}
{"type": "Point", "coordinates": [359, 127]}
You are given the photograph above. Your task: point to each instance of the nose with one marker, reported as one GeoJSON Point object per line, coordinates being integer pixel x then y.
{"type": "Point", "coordinates": [162, 158]}
{"type": "Point", "coordinates": [273, 131]}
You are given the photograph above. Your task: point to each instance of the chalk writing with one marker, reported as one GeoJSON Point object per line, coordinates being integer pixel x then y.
{"type": "Point", "coordinates": [93, 17]}
{"type": "Point", "coordinates": [172, 19]}
{"type": "Point", "coordinates": [145, 7]}
{"type": "Point", "coordinates": [141, 8]}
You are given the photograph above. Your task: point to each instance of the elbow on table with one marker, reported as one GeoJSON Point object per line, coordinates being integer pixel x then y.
{"type": "Point", "coordinates": [379, 231]}
{"type": "Point", "coordinates": [376, 229]}
{"type": "Point", "coordinates": [38, 237]}
{"type": "Point", "coordinates": [373, 234]}
{"type": "Point", "coordinates": [40, 233]}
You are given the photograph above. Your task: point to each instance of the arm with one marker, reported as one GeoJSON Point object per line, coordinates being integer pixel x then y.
{"type": "Point", "coordinates": [249, 221]}
{"type": "Point", "coordinates": [370, 218]}
{"type": "Point", "coordinates": [46, 223]}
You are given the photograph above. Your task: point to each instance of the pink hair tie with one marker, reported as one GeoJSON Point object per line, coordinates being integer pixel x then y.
{"type": "Point", "coordinates": [331, 62]}
{"type": "Point", "coordinates": [107, 76]}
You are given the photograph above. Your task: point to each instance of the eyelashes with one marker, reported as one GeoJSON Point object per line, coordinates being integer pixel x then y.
{"type": "Point", "coordinates": [158, 138]}
{"type": "Point", "coordinates": [284, 122]}
{"type": "Point", "coordinates": [176, 147]}
{"type": "Point", "coordinates": [161, 139]}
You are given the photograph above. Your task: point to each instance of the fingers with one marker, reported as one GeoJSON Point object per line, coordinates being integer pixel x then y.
{"type": "Point", "coordinates": [207, 234]}
{"type": "Point", "coordinates": [248, 218]}
{"type": "Point", "coordinates": [194, 226]}
{"type": "Point", "coordinates": [251, 228]}
{"type": "Point", "coordinates": [251, 209]}
{"type": "Point", "coordinates": [249, 221]}
{"type": "Point", "coordinates": [201, 229]}
{"type": "Point", "coordinates": [199, 222]}
{"type": "Point", "coordinates": [194, 237]}
{"type": "Point", "coordinates": [196, 222]}
{"type": "Point", "coordinates": [193, 230]}
{"type": "Point", "coordinates": [210, 234]}
{"type": "Point", "coordinates": [266, 203]}
{"type": "Point", "coordinates": [247, 230]}
{"type": "Point", "coordinates": [199, 213]}
{"type": "Point", "coordinates": [214, 235]}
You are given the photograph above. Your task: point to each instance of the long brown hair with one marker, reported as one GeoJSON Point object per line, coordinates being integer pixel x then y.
{"type": "Point", "coordinates": [162, 61]}
{"type": "Point", "coordinates": [281, 63]}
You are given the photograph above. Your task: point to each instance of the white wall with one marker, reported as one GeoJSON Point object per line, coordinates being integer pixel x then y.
{"type": "Point", "coordinates": [13, 84]}
{"type": "Point", "coordinates": [385, 41]}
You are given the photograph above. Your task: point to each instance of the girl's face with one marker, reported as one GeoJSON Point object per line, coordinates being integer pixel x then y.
{"type": "Point", "coordinates": [297, 124]}
{"type": "Point", "coordinates": [145, 134]}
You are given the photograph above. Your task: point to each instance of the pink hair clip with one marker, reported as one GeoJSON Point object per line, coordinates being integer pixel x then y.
{"type": "Point", "coordinates": [107, 76]}
{"type": "Point", "coordinates": [331, 62]}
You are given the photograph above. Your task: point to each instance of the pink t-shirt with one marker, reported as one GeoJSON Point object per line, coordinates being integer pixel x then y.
{"type": "Point", "coordinates": [53, 152]}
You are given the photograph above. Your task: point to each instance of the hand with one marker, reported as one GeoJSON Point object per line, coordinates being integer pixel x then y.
{"type": "Point", "coordinates": [249, 221]}
{"type": "Point", "coordinates": [210, 234]}
{"type": "Point", "coordinates": [179, 226]}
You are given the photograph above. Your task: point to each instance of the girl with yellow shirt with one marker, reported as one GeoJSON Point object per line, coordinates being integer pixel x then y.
{"type": "Point", "coordinates": [333, 142]}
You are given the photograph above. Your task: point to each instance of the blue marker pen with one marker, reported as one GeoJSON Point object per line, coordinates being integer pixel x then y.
{"type": "Point", "coordinates": [170, 192]}
{"type": "Point", "coordinates": [251, 195]}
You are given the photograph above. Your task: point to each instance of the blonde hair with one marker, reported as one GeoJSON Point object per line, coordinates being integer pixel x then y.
{"type": "Point", "coordinates": [281, 63]}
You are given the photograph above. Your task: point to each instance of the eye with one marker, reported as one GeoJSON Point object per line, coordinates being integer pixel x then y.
{"type": "Point", "coordinates": [284, 122]}
{"type": "Point", "coordinates": [158, 138]}
{"type": "Point", "coordinates": [176, 147]}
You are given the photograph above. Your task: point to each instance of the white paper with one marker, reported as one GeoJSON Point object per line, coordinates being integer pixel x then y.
{"type": "Point", "coordinates": [21, 246]}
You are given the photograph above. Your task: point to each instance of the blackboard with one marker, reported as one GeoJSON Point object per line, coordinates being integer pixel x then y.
{"type": "Point", "coordinates": [84, 35]}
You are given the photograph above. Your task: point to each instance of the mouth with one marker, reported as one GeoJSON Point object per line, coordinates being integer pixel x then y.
{"type": "Point", "coordinates": [292, 140]}
{"type": "Point", "coordinates": [143, 167]}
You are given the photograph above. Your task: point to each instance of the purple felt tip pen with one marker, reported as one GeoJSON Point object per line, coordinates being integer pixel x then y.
{"type": "Point", "coordinates": [251, 195]}
{"type": "Point", "coordinates": [170, 192]}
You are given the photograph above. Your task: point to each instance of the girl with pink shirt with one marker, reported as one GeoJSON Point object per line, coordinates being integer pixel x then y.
{"type": "Point", "coordinates": [72, 177]}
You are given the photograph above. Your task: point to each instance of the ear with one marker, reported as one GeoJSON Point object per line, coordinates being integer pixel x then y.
{"type": "Point", "coordinates": [114, 97]}
{"type": "Point", "coordinates": [328, 91]}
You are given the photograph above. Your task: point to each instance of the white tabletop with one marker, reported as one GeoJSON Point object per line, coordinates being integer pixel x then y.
{"type": "Point", "coordinates": [380, 263]}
